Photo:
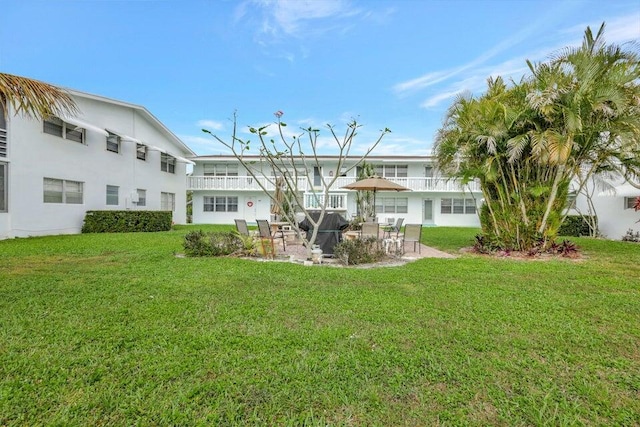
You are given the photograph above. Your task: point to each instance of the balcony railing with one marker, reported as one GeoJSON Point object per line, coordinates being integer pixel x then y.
{"type": "Point", "coordinates": [247, 183]}
{"type": "Point", "coordinates": [336, 201]}
{"type": "Point", "coordinates": [3, 142]}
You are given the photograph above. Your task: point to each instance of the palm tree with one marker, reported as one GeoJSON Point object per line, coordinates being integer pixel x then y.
{"type": "Point", "coordinates": [580, 111]}
{"type": "Point", "coordinates": [33, 98]}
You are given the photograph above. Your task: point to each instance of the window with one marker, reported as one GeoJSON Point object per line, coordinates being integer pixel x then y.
{"type": "Point", "coordinates": [55, 126]}
{"type": "Point", "coordinates": [629, 202]}
{"type": "Point", "coordinates": [167, 201]}
{"type": "Point", "coordinates": [142, 197]}
{"type": "Point", "coordinates": [62, 191]}
{"type": "Point", "coordinates": [141, 152]}
{"type": "Point", "coordinates": [113, 143]}
{"type": "Point", "coordinates": [3, 132]}
{"type": "Point", "coordinates": [167, 163]}
{"type": "Point", "coordinates": [392, 171]}
{"type": "Point", "coordinates": [571, 200]}
{"type": "Point", "coordinates": [221, 204]}
{"type": "Point", "coordinates": [457, 206]}
{"type": "Point", "coordinates": [4, 187]}
{"type": "Point", "coordinates": [112, 195]}
{"type": "Point", "coordinates": [220, 169]}
{"type": "Point", "coordinates": [392, 205]}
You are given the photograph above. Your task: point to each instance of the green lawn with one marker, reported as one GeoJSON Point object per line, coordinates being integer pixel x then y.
{"type": "Point", "coordinates": [116, 330]}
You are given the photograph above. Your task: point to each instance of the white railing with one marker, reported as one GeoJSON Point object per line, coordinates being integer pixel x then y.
{"type": "Point", "coordinates": [336, 201]}
{"type": "Point", "coordinates": [3, 142]}
{"type": "Point", "coordinates": [247, 183]}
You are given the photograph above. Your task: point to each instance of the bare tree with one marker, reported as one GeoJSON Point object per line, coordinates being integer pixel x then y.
{"type": "Point", "coordinates": [289, 164]}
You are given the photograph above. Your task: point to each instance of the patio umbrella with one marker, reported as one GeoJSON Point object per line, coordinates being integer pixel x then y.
{"type": "Point", "coordinates": [375, 184]}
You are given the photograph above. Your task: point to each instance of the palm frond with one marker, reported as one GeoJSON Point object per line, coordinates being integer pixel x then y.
{"type": "Point", "coordinates": [35, 99]}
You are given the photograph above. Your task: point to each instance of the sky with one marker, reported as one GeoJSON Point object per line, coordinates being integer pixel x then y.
{"type": "Point", "coordinates": [386, 64]}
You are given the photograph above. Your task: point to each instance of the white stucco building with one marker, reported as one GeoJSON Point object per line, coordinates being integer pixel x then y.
{"type": "Point", "coordinates": [223, 191]}
{"type": "Point", "coordinates": [113, 155]}
{"type": "Point", "coordinates": [614, 208]}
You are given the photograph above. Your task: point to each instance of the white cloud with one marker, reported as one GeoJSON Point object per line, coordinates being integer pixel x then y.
{"type": "Point", "coordinates": [472, 76]}
{"type": "Point", "coordinates": [276, 21]}
{"type": "Point", "coordinates": [210, 124]}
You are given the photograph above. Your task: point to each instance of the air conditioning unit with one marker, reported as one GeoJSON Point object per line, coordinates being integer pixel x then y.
{"type": "Point", "coordinates": [134, 197]}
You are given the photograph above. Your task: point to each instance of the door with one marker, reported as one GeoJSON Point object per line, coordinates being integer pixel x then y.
{"type": "Point", "coordinates": [317, 176]}
{"type": "Point", "coordinates": [250, 208]}
{"type": "Point", "coordinates": [427, 211]}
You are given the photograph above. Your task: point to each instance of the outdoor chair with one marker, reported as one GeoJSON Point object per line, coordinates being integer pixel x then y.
{"type": "Point", "coordinates": [241, 226]}
{"type": "Point", "coordinates": [370, 229]}
{"type": "Point", "coordinates": [393, 229]}
{"type": "Point", "coordinates": [412, 233]}
{"type": "Point", "coordinates": [264, 229]}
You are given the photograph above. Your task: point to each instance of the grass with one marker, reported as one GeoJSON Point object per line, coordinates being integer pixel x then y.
{"type": "Point", "coordinates": [115, 330]}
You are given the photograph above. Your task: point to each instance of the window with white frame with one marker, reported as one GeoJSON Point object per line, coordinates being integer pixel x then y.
{"type": "Point", "coordinates": [392, 204]}
{"type": "Point", "coordinates": [141, 152]}
{"type": "Point", "coordinates": [55, 126]}
{"type": "Point", "coordinates": [571, 200]}
{"type": "Point", "coordinates": [167, 201]}
{"type": "Point", "coordinates": [4, 187]}
{"type": "Point", "coordinates": [457, 206]}
{"type": "Point", "coordinates": [62, 191]}
{"type": "Point", "coordinates": [220, 204]}
{"type": "Point", "coordinates": [391, 171]}
{"type": "Point", "coordinates": [112, 195]}
{"type": "Point", "coordinates": [142, 197]}
{"type": "Point", "coordinates": [219, 169]}
{"type": "Point", "coordinates": [113, 143]}
{"type": "Point", "coordinates": [167, 163]}
{"type": "Point", "coordinates": [630, 202]}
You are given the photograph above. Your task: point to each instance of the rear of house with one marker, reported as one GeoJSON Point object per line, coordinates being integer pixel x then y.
{"type": "Point", "coordinates": [223, 190]}
{"type": "Point", "coordinates": [113, 155]}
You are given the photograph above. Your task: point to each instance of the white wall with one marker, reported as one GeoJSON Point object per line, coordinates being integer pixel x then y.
{"type": "Point", "coordinates": [613, 219]}
{"type": "Point", "coordinates": [34, 155]}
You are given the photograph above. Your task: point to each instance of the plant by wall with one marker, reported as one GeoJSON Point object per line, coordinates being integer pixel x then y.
{"type": "Point", "coordinates": [576, 226]}
{"type": "Point", "coordinates": [126, 221]}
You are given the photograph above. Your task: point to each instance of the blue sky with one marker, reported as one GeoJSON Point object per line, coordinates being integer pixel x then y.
{"type": "Point", "coordinates": [395, 64]}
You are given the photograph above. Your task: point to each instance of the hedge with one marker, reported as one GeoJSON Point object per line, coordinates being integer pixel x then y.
{"type": "Point", "coordinates": [576, 226]}
{"type": "Point", "coordinates": [126, 221]}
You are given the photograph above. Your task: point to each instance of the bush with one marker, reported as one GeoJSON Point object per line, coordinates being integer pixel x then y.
{"type": "Point", "coordinates": [359, 251]}
{"type": "Point", "coordinates": [575, 226]}
{"type": "Point", "coordinates": [126, 221]}
{"type": "Point", "coordinates": [215, 243]}
{"type": "Point", "coordinates": [631, 236]}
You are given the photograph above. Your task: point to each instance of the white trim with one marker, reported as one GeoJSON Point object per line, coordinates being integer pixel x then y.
{"type": "Point", "coordinates": [153, 147]}
{"type": "Point", "coordinates": [124, 137]}
{"type": "Point", "coordinates": [80, 123]}
{"type": "Point", "coordinates": [182, 159]}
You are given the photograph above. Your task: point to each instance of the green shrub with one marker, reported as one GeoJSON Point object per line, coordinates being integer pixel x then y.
{"type": "Point", "coordinates": [126, 221]}
{"type": "Point", "coordinates": [215, 243]}
{"type": "Point", "coordinates": [576, 226]}
{"type": "Point", "coordinates": [359, 251]}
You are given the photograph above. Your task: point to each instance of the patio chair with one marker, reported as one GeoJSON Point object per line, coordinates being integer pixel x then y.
{"type": "Point", "coordinates": [370, 229]}
{"type": "Point", "coordinates": [241, 226]}
{"type": "Point", "coordinates": [412, 233]}
{"type": "Point", "coordinates": [266, 238]}
{"type": "Point", "coordinates": [393, 229]}
{"type": "Point", "coordinates": [264, 229]}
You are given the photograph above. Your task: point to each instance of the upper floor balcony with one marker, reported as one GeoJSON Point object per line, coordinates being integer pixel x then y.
{"type": "Point", "coordinates": [248, 183]}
